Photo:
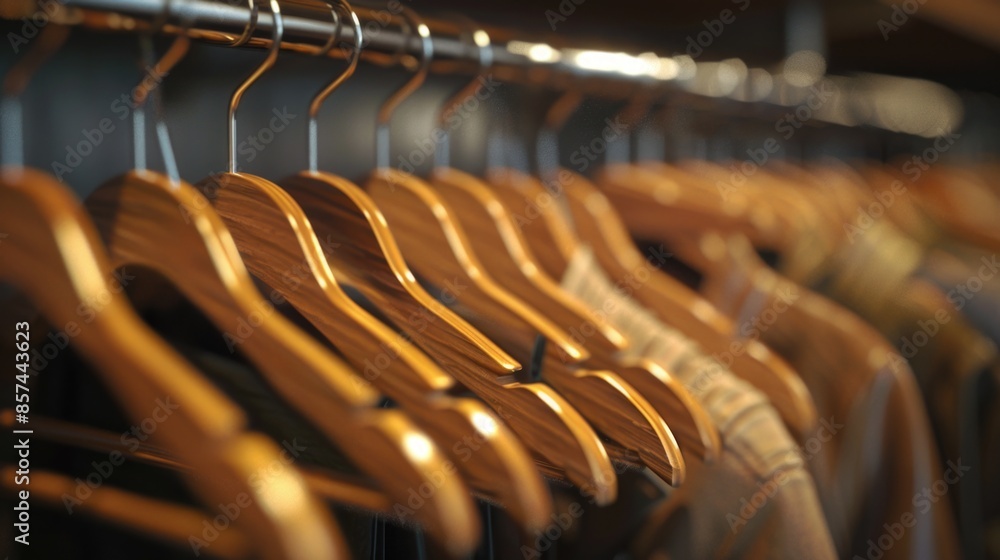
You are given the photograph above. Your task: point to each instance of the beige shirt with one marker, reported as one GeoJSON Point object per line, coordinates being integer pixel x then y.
{"type": "Point", "coordinates": [757, 500]}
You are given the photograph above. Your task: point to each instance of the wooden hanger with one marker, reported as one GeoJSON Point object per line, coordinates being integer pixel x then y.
{"type": "Point", "coordinates": [165, 521]}
{"type": "Point", "coordinates": [584, 215]}
{"type": "Point", "coordinates": [53, 255]}
{"type": "Point", "coordinates": [598, 225]}
{"type": "Point", "coordinates": [564, 444]}
{"type": "Point", "coordinates": [442, 254]}
{"type": "Point", "coordinates": [537, 414]}
{"type": "Point", "coordinates": [754, 363]}
{"type": "Point", "coordinates": [275, 235]}
{"type": "Point", "coordinates": [952, 200]}
{"type": "Point", "coordinates": [749, 360]}
{"type": "Point", "coordinates": [803, 233]}
{"type": "Point", "coordinates": [658, 444]}
{"type": "Point", "coordinates": [168, 226]}
{"type": "Point", "coordinates": [492, 230]}
{"type": "Point", "coordinates": [574, 213]}
{"type": "Point", "coordinates": [430, 329]}
{"type": "Point", "coordinates": [554, 237]}
{"type": "Point", "coordinates": [340, 487]}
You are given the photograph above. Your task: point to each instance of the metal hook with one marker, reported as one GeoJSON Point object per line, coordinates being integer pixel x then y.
{"type": "Point", "coordinates": [482, 41]}
{"type": "Point", "coordinates": [385, 112]}
{"type": "Point", "coordinates": [559, 113]}
{"type": "Point", "coordinates": [178, 49]}
{"type": "Point", "coordinates": [234, 101]}
{"type": "Point", "coordinates": [250, 27]}
{"type": "Point", "coordinates": [556, 117]}
{"type": "Point", "coordinates": [317, 101]}
{"type": "Point", "coordinates": [632, 114]}
{"type": "Point", "coordinates": [15, 82]}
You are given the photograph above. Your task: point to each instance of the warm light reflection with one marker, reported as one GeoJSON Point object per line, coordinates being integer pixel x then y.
{"type": "Point", "coordinates": [903, 105]}
{"type": "Point", "coordinates": [481, 38]}
{"type": "Point", "coordinates": [686, 67]}
{"type": "Point", "coordinates": [760, 83]}
{"type": "Point", "coordinates": [538, 52]}
{"type": "Point", "coordinates": [716, 79]}
{"type": "Point", "coordinates": [603, 61]}
{"type": "Point", "coordinates": [804, 68]}
{"type": "Point", "coordinates": [550, 401]}
{"type": "Point", "coordinates": [661, 68]}
{"type": "Point", "coordinates": [283, 494]}
{"type": "Point", "coordinates": [912, 106]}
{"type": "Point", "coordinates": [417, 447]}
{"type": "Point", "coordinates": [732, 73]}
{"type": "Point", "coordinates": [484, 423]}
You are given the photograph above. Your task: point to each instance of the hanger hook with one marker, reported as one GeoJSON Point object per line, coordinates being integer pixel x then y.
{"type": "Point", "coordinates": [267, 64]}
{"type": "Point", "coordinates": [482, 42]}
{"type": "Point", "coordinates": [317, 102]}
{"type": "Point", "coordinates": [250, 27]}
{"type": "Point", "coordinates": [415, 23]}
{"type": "Point", "coordinates": [556, 117]}
{"type": "Point", "coordinates": [15, 82]}
{"type": "Point", "coordinates": [631, 115]}
{"type": "Point", "coordinates": [151, 87]}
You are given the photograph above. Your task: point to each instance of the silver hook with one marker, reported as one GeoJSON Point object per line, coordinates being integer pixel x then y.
{"type": "Point", "coordinates": [178, 49]}
{"type": "Point", "coordinates": [14, 84]}
{"type": "Point", "coordinates": [234, 101]}
{"type": "Point", "coordinates": [482, 41]}
{"type": "Point", "coordinates": [385, 112]}
{"type": "Point", "coordinates": [251, 26]}
{"type": "Point", "coordinates": [317, 101]}
{"type": "Point", "coordinates": [547, 143]}
{"type": "Point", "coordinates": [634, 113]}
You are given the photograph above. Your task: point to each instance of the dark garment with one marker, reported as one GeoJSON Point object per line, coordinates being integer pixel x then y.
{"type": "Point", "coordinates": [885, 284]}
{"type": "Point", "coordinates": [874, 454]}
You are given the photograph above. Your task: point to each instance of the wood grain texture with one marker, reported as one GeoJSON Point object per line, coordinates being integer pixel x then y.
{"type": "Point", "coordinates": [542, 418]}
{"type": "Point", "coordinates": [601, 397]}
{"type": "Point", "coordinates": [492, 230]}
{"type": "Point", "coordinates": [149, 222]}
{"type": "Point", "coordinates": [54, 255]}
{"type": "Point", "coordinates": [547, 227]}
{"type": "Point", "coordinates": [276, 242]}
{"type": "Point", "coordinates": [363, 251]}
{"type": "Point", "coordinates": [164, 521]}
{"type": "Point", "coordinates": [634, 195]}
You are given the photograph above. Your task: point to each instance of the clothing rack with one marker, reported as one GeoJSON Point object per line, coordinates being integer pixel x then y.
{"type": "Point", "coordinates": [314, 28]}
{"type": "Point", "coordinates": [309, 28]}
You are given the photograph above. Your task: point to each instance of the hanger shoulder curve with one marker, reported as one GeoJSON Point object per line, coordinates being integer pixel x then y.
{"type": "Point", "coordinates": [690, 423]}
{"type": "Point", "coordinates": [396, 192]}
{"type": "Point", "coordinates": [602, 397]}
{"type": "Point", "coordinates": [492, 230]}
{"type": "Point", "coordinates": [147, 220]}
{"type": "Point", "coordinates": [409, 206]}
{"type": "Point", "coordinates": [603, 229]}
{"type": "Point", "coordinates": [51, 231]}
{"type": "Point", "coordinates": [541, 217]}
{"type": "Point", "coordinates": [500, 468]}
{"type": "Point", "coordinates": [340, 212]}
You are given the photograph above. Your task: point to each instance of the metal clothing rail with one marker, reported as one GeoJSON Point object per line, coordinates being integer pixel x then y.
{"type": "Point", "coordinates": [309, 27]}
